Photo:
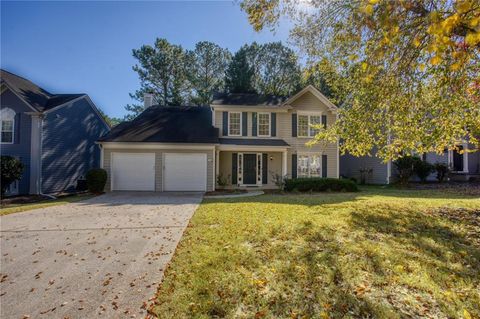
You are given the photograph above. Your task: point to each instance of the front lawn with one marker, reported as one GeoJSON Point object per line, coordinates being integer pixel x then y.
{"type": "Point", "coordinates": [16, 208]}
{"type": "Point", "coordinates": [379, 253]}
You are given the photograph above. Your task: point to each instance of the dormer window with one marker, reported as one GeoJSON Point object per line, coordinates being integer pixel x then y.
{"type": "Point", "coordinates": [234, 123]}
{"type": "Point", "coordinates": [264, 124]}
{"type": "Point", "coordinates": [7, 124]}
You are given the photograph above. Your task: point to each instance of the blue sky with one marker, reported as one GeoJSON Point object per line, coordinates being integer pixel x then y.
{"type": "Point", "coordinates": [86, 47]}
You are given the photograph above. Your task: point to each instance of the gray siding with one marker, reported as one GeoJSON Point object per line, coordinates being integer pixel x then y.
{"type": "Point", "coordinates": [350, 166]}
{"type": "Point", "coordinates": [474, 161]}
{"type": "Point", "coordinates": [22, 135]}
{"type": "Point", "coordinates": [69, 148]}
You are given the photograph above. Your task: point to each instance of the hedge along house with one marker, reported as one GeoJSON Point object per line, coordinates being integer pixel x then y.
{"type": "Point", "coordinates": [53, 135]}
{"type": "Point", "coordinates": [246, 139]}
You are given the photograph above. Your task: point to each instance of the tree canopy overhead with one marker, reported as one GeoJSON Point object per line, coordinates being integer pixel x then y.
{"type": "Point", "coordinates": [406, 72]}
{"type": "Point", "coordinates": [206, 70]}
{"type": "Point", "coordinates": [191, 77]}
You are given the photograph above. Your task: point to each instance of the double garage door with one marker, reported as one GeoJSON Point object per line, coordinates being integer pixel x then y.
{"type": "Point", "coordinates": [138, 172]}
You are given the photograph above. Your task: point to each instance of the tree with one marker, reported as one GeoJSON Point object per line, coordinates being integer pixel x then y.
{"type": "Point", "coordinates": [277, 69]}
{"type": "Point", "coordinates": [240, 73]}
{"type": "Point", "coordinates": [11, 171]}
{"type": "Point", "coordinates": [269, 68]}
{"type": "Point", "coordinates": [206, 69]}
{"type": "Point", "coordinates": [112, 121]}
{"type": "Point", "coordinates": [409, 70]}
{"type": "Point", "coordinates": [162, 72]}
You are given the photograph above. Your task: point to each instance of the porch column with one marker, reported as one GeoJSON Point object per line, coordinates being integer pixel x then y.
{"type": "Point", "coordinates": [217, 166]}
{"type": "Point", "coordinates": [284, 163]}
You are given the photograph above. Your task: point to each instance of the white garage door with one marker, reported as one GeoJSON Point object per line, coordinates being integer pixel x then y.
{"type": "Point", "coordinates": [133, 171]}
{"type": "Point", "coordinates": [185, 172]}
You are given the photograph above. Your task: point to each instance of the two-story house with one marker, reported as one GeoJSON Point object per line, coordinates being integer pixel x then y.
{"type": "Point", "coordinates": [246, 139]}
{"type": "Point", "coordinates": [53, 135]}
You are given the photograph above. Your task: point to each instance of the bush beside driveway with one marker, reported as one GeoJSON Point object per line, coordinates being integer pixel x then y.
{"type": "Point", "coordinates": [382, 252]}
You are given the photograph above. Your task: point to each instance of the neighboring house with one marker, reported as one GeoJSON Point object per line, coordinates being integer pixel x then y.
{"type": "Point", "coordinates": [247, 139]}
{"type": "Point", "coordinates": [463, 167]}
{"type": "Point", "coordinates": [53, 135]}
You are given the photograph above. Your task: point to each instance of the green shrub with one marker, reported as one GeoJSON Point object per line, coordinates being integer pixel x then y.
{"type": "Point", "coordinates": [96, 180]}
{"type": "Point", "coordinates": [11, 170]}
{"type": "Point", "coordinates": [320, 185]}
{"type": "Point", "coordinates": [422, 169]}
{"type": "Point", "coordinates": [442, 171]}
{"type": "Point", "coordinates": [405, 168]}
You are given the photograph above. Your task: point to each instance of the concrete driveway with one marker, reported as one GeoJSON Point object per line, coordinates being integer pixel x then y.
{"type": "Point", "coordinates": [100, 258]}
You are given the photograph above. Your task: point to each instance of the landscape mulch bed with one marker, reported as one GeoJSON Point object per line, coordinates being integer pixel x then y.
{"type": "Point", "coordinates": [227, 192]}
{"type": "Point", "coordinates": [23, 199]}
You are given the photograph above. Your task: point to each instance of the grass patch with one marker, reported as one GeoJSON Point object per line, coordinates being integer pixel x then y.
{"type": "Point", "coordinates": [382, 252]}
{"type": "Point", "coordinates": [16, 208]}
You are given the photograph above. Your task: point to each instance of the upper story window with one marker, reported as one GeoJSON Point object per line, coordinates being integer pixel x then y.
{"type": "Point", "coordinates": [234, 123]}
{"type": "Point", "coordinates": [263, 124]}
{"type": "Point", "coordinates": [305, 123]}
{"type": "Point", "coordinates": [7, 125]}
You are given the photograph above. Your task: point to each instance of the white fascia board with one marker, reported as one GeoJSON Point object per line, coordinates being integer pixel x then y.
{"type": "Point", "coordinates": [156, 146]}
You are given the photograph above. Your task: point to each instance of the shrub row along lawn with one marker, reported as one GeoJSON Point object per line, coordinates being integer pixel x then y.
{"type": "Point", "coordinates": [381, 253]}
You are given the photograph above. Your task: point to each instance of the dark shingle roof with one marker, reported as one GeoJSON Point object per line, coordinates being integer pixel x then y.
{"type": "Point", "coordinates": [253, 142]}
{"type": "Point", "coordinates": [167, 124]}
{"type": "Point", "coordinates": [248, 99]}
{"type": "Point", "coordinates": [38, 98]}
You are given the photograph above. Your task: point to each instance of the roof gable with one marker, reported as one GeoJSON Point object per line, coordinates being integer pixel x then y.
{"type": "Point", "coordinates": [37, 98]}
{"type": "Point", "coordinates": [315, 92]}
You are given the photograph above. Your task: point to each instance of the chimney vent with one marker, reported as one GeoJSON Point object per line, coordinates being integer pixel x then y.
{"type": "Point", "coordinates": [147, 99]}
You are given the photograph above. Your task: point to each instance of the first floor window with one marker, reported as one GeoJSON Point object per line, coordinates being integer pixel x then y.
{"type": "Point", "coordinates": [309, 165]}
{"type": "Point", "coordinates": [234, 123]}
{"type": "Point", "coordinates": [7, 125]}
{"type": "Point", "coordinates": [7, 131]}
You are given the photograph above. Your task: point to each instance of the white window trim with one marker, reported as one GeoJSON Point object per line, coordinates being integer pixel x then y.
{"type": "Point", "coordinates": [308, 114]}
{"type": "Point", "coordinates": [465, 159]}
{"type": "Point", "coordinates": [309, 154]}
{"type": "Point", "coordinates": [241, 123]}
{"type": "Point", "coordinates": [269, 124]}
{"type": "Point", "coordinates": [8, 115]}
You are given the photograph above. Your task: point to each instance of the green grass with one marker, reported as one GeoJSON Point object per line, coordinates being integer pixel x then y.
{"type": "Point", "coordinates": [16, 208]}
{"type": "Point", "coordinates": [379, 253]}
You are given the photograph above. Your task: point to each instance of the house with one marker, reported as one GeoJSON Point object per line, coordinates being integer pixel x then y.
{"type": "Point", "coordinates": [463, 167]}
{"type": "Point", "coordinates": [246, 139]}
{"type": "Point", "coordinates": [53, 135]}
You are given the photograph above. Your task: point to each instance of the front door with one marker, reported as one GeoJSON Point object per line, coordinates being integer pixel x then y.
{"type": "Point", "coordinates": [458, 160]}
{"type": "Point", "coordinates": [249, 169]}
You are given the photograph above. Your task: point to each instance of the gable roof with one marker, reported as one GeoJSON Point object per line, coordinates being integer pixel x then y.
{"type": "Point", "coordinates": [310, 88]}
{"type": "Point", "coordinates": [37, 98]}
{"type": "Point", "coordinates": [248, 99]}
{"type": "Point", "coordinates": [167, 124]}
